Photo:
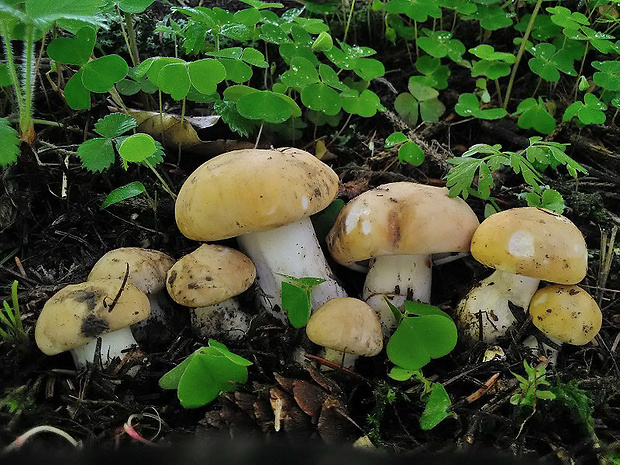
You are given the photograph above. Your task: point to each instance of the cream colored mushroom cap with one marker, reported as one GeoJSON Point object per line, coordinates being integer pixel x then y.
{"type": "Point", "coordinates": [348, 325]}
{"type": "Point", "coordinates": [532, 242]}
{"type": "Point", "coordinates": [209, 275]}
{"type": "Point", "coordinates": [401, 218]}
{"type": "Point", "coordinates": [78, 313]}
{"type": "Point", "coordinates": [567, 313]}
{"type": "Point", "coordinates": [253, 190]}
{"type": "Point", "coordinates": [147, 268]}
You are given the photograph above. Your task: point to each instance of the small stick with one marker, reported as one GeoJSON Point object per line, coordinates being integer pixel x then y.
{"type": "Point", "coordinates": [483, 390]}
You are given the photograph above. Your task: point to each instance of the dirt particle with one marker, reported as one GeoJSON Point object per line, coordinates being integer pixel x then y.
{"type": "Point", "coordinates": [93, 326]}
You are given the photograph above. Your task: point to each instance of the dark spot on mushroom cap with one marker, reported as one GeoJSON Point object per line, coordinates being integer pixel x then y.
{"type": "Point", "coordinates": [93, 326]}
{"type": "Point", "coordinates": [89, 297]}
{"type": "Point", "coordinates": [193, 285]}
{"type": "Point", "coordinates": [172, 277]}
{"type": "Point", "coordinates": [549, 310]}
{"type": "Point", "coordinates": [573, 291]}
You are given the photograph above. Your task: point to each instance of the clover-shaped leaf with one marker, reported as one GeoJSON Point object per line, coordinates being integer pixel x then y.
{"type": "Point", "coordinates": [469, 105]}
{"type": "Point", "coordinates": [566, 18]}
{"type": "Point", "coordinates": [406, 106]}
{"type": "Point", "coordinates": [101, 74]}
{"type": "Point", "coordinates": [265, 106]}
{"type": "Point", "coordinates": [433, 69]}
{"type": "Point", "coordinates": [543, 28]}
{"type": "Point", "coordinates": [440, 44]}
{"type": "Point", "coordinates": [320, 97]}
{"type": "Point", "coordinates": [492, 17]}
{"type": "Point", "coordinates": [301, 73]}
{"type": "Point", "coordinates": [547, 61]}
{"type": "Point", "coordinates": [365, 103]}
{"type": "Point", "coordinates": [206, 74]}
{"type": "Point", "coordinates": [418, 10]}
{"type": "Point", "coordinates": [608, 75]}
{"type": "Point", "coordinates": [590, 111]}
{"type": "Point", "coordinates": [534, 115]}
{"type": "Point", "coordinates": [76, 50]}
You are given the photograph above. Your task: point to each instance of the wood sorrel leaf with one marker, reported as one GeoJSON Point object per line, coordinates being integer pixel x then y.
{"type": "Point", "coordinates": [206, 74]}
{"type": "Point", "coordinates": [101, 74]}
{"type": "Point", "coordinates": [137, 148]}
{"type": "Point", "coordinates": [76, 95]}
{"type": "Point", "coordinates": [76, 50]}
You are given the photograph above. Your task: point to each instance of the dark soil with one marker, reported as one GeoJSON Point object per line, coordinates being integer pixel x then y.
{"type": "Point", "coordinates": [49, 240]}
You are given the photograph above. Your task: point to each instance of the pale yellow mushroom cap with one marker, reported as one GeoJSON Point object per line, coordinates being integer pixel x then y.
{"type": "Point", "coordinates": [347, 325]}
{"type": "Point", "coordinates": [209, 275]}
{"type": "Point", "coordinates": [532, 242]}
{"type": "Point", "coordinates": [253, 190]}
{"type": "Point", "coordinates": [401, 218]}
{"type": "Point", "coordinates": [567, 313]}
{"type": "Point", "coordinates": [147, 268]}
{"type": "Point", "coordinates": [78, 313]}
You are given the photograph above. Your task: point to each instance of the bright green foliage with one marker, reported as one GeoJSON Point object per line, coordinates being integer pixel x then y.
{"type": "Point", "coordinates": [608, 75]}
{"type": "Point", "coordinates": [577, 400]}
{"type": "Point", "coordinates": [440, 44]}
{"type": "Point", "coordinates": [469, 105]}
{"type": "Point", "coordinates": [492, 17]}
{"type": "Point", "coordinates": [590, 111]}
{"type": "Point", "coordinates": [421, 101]}
{"type": "Point", "coordinates": [134, 6]}
{"type": "Point", "coordinates": [125, 192]}
{"type": "Point", "coordinates": [9, 143]}
{"type": "Point", "coordinates": [297, 298]}
{"type": "Point", "coordinates": [17, 399]}
{"type": "Point", "coordinates": [548, 62]}
{"type": "Point", "coordinates": [532, 388]}
{"type": "Point", "coordinates": [492, 64]}
{"type": "Point", "coordinates": [98, 154]}
{"type": "Point", "coordinates": [409, 152]}
{"type": "Point", "coordinates": [424, 333]}
{"type": "Point", "coordinates": [101, 74]}
{"type": "Point", "coordinates": [206, 373]}
{"type": "Point", "coordinates": [550, 199]}
{"type": "Point", "coordinates": [435, 73]}
{"type": "Point", "coordinates": [11, 327]}
{"type": "Point", "coordinates": [76, 50]}
{"type": "Point", "coordinates": [418, 10]}
{"type": "Point", "coordinates": [533, 114]}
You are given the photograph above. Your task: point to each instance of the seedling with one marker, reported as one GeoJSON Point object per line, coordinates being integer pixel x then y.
{"type": "Point", "coordinates": [469, 105]}
{"type": "Point", "coordinates": [422, 100]}
{"type": "Point", "coordinates": [206, 373]}
{"type": "Point", "coordinates": [11, 327]}
{"type": "Point", "coordinates": [297, 298]}
{"type": "Point", "coordinates": [533, 387]}
{"type": "Point", "coordinates": [408, 151]}
{"type": "Point", "coordinates": [533, 114]}
{"type": "Point", "coordinates": [549, 199]}
{"type": "Point", "coordinates": [590, 111]}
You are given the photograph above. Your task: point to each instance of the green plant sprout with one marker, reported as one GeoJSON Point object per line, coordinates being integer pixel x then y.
{"type": "Point", "coordinates": [533, 387]}
{"type": "Point", "coordinates": [408, 151]}
{"type": "Point", "coordinates": [538, 156]}
{"type": "Point", "coordinates": [206, 373]}
{"type": "Point", "coordinates": [420, 100]}
{"type": "Point", "coordinates": [11, 327]}
{"type": "Point", "coordinates": [297, 298]}
{"type": "Point", "coordinates": [533, 114]}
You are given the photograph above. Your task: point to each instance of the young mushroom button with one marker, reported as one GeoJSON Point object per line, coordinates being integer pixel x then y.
{"type": "Point", "coordinates": [207, 280]}
{"type": "Point", "coordinates": [524, 245]}
{"type": "Point", "coordinates": [74, 317]}
{"type": "Point", "coordinates": [265, 199]}
{"type": "Point", "coordinates": [399, 226]}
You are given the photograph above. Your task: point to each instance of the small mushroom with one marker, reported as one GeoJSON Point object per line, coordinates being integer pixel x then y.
{"type": "Point", "coordinates": [398, 226]}
{"type": "Point", "coordinates": [74, 317]}
{"type": "Point", "coordinates": [265, 199]}
{"type": "Point", "coordinates": [147, 271]}
{"type": "Point", "coordinates": [566, 314]}
{"type": "Point", "coordinates": [346, 325]}
{"type": "Point", "coordinates": [207, 280]}
{"type": "Point", "coordinates": [524, 245]}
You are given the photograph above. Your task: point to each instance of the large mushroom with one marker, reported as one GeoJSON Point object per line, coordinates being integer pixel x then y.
{"type": "Point", "coordinates": [265, 199]}
{"type": "Point", "coordinates": [398, 226]}
{"type": "Point", "coordinates": [523, 245]}
{"type": "Point", "coordinates": [207, 280]}
{"type": "Point", "coordinates": [146, 269]}
{"type": "Point", "coordinates": [74, 317]}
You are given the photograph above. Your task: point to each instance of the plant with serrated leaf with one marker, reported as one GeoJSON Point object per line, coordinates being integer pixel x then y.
{"type": "Point", "coordinates": [205, 374]}
{"type": "Point", "coordinates": [473, 171]}
{"type": "Point", "coordinates": [532, 388]}
{"type": "Point", "coordinates": [297, 298]}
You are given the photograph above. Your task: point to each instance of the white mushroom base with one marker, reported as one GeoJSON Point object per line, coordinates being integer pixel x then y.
{"type": "Point", "coordinates": [291, 250]}
{"type": "Point", "coordinates": [484, 314]}
{"type": "Point", "coordinates": [397, 278]}
{"type": "Point", "coordinates": [113, 345]}
{"type": "Point", "coordinates": [224, 320]}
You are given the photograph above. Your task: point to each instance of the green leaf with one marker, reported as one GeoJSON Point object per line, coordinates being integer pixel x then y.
{"type": "Point", "coordinates": [9, 143]}
{"type": "Point", "coordinates": [550, 199]}
{"type": "Point", "coordinates": [423, 309]}
{"type": "Point", "coordinates": [96, 154]}
{"type": "Point", "coordinates": [296, 303]}
{"type": "Point", "coordinates": [44, 13]}
{"type": "Point", "coordinates": [320, 97]}
{"type": "Point", "coordinates": [264, 106]}
{"type": "Point", "coordinates": [301, 73]}
{"type": "Point", "coordinates": [363, 104]}
{"type": "Point", "coordinates": [436, 409]}
{"type": "Point", "coordinates": [236, 359]}
{"type": "Point", "coordinates": [172, 378]}
{"type": "Point", "coordinates": [134, 6]}
{"type": "Point", "coordinates": [410, 153]}
{"type": "Point", "coordinates": [115, 124]}
{"type": "Point", "coordinates": [198, 385]}
{"type": "Point", "coordinates": [431, 110]}
{"type": "Point", "coordinates": [101, 74]}
{"type": "Point", "coordinates": [608, 75]}
{"type": "Point", "coordinates": [406, 106]}
{"type": "Point", "coordinates": [400, 374]}
{"type": "Point", "coordinates": [419, 339]}
{"type": "Point", "coordinates": [394, 139]}
{"type": "Point", "coordinates": [76, 95]}
{"type": "Point", "coordinates": [206, 74]}
{"type": "Point", "coordinates": [254, 57]}
{"type": "Point", "coordinates": [128, 87]}
{"type": "Point", "coordinates": [369, 68]}
{"type": "Point", "coordinates": [323, 42]}
{"type": "Point", "coordinates": [5, 76]}
{"type": "Point", "coordinates": [137, 148]}
{"type": "Point", "coordinates": [73, 51]}
{"type": "Point", "coordinates": [125, 192]}
{"type": "Point", "coordinates": [173, 79]}
{"type": "Point", "coordinates": [236, 70]}
{"type": "Point", "coordinates": [534, 115]}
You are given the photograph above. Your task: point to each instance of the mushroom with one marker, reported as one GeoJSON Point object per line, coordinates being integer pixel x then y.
{"type": "Point", "coordinates": [208, 279]}
{"type": "Point", "coordinates": [524, 245]}
{"type": "Point", "coordinates": [74, 317]}
{"type": "Point", "coordinates": [398, 226]}
{"type": "Point", "coordinates": [146, 269]}
{"type": "Point", "coordinates": [346, 325]}
{"type": "Point", "coordinates": [565, 314]}
{"type": "Point", "coordinates": [265, 199]}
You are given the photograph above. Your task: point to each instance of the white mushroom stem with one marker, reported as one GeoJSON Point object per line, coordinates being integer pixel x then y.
{"type": "Point", "coordinates": [113, 344]}
{"type": "Point", "coordinates": [399, 278]}
{"type": "Point", "coordinates": [225, 319]}
{"type": "Point", "coordinates": [484, 314]}
{"type": "Point", "coordinates": [291, 250]}
{"type": "Point", "coordinates": [540, 348]}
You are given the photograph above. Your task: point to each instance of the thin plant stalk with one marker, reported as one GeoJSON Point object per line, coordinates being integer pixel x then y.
{"type": "Point", "coordinates": [26, 126]}
{"type": "Point", "coordinates": [513, 74]}
{"type": "Point", "coordinates": [164, 184]}
{"type": "Point", "coordinates": [10, 61]}
{"type": "Point", "coordinates": [133, 44]}
{"type": "Point", "coordinates": [349, 18]}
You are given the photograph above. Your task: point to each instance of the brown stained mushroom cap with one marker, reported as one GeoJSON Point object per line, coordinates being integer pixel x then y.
{"type": "Point", "coordinates": [209, 275]}
{"type": "Point", "coordinates": [347, 325]}
{"type": "Point", "coordinates": [78, 313]}
{"type": "Point", "coordinates": [147, 268]}
{"type": "Point", "coordinates": [253, 190]}
{"type": "Point", "coordinates": [401, 218]}
{"type": "Point", "coordinates": [567, 313]}
{"type": "Point", "coordinates": [532, 242]}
